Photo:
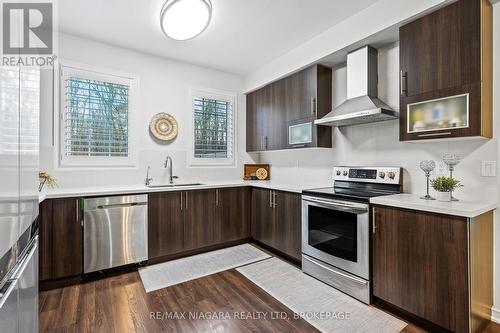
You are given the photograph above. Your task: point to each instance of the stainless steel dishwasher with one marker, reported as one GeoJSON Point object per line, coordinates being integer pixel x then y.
{"type": "Point", "coordinates": [115, 231]}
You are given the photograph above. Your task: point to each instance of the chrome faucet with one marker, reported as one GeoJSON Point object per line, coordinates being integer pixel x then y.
{"type": "Point", "coordinates": [168, 165]}
{"type": "Point", "coordinates": [148, 180]}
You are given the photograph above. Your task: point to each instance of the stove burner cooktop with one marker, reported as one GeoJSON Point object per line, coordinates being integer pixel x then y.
{"type": "Point", "coordinates": [361, 184]}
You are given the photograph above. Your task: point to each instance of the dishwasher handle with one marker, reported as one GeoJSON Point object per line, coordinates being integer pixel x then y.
{"type": "Point", "coordinates": [122, 205]}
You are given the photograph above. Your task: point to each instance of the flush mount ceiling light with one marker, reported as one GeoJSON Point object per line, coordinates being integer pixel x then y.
{"type": "Point", "coordinates": [185, 19]}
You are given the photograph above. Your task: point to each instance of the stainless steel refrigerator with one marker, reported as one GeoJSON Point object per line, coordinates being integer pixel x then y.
{"type": "Point", "coordinates": [19, 155]}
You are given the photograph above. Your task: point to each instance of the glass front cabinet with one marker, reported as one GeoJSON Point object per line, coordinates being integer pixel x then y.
{"type": "Point", "coordinates": [446, 74]}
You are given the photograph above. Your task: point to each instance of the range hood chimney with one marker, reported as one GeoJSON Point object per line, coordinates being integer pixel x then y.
{"type": "Point", "coordinates": [362, 105]}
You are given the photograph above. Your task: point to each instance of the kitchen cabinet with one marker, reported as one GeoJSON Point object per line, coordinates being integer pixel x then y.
{"type": "Point", "coordinates": [61, 250]}
{"type": "Point", "coordinates": [447, 53]}
{"type": "Point", "coordinates": [276, 220]}
{"type": "Point", "coordinates": [199, 219]}
{"type": "Point", "coordinates": [233, 213]}
{"type": "Point", "coordinates": [298, 99]}
{"type": "Point", "coordinates": [165, 224]}
{"type": "Point", "coordinates": [435, 267]}
{"type": "Point", "coordinates": [190, 220]}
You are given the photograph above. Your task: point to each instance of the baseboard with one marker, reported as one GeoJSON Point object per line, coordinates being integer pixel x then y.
{"type": "Point", "coordinates": [495, 315]}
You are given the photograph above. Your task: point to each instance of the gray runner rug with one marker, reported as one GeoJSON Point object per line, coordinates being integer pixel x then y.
{"type": "Point", "coordinates": [181, 270]}
{"type": "Point", "coordinates": [324, 307]}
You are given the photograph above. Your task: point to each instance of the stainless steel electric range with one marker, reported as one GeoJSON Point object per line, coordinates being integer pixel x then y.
{"type": "Point", "coordinates": [336, 227]}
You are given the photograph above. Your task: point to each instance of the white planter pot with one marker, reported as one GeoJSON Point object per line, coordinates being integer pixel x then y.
{"type": "Point", "coordinates": [443, 196]}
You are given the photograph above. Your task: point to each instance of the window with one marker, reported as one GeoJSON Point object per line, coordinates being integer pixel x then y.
{"type": "Point", "coordinates": [96, 122]}
{"type": "Point", "coordinates": [213, 129]}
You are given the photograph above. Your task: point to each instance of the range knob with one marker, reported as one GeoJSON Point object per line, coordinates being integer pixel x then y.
{"type": "Point", "coordinates": [344, 173]}
{"type": "Point", "coordinates": [381, 174]}
{"type": "Point", "coordinates": [391, 174]}
{"type": "Point", "coordinates": [338, 172]}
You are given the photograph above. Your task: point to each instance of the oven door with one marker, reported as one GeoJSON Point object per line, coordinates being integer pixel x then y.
{"type": "Point", "coordinates": [336, 232]}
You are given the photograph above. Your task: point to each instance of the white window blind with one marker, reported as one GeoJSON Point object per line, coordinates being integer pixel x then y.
{"type": "Point", "coordinates": [96, 118]}
{"type": "Point", "coordinates": [19, 104]}
{"type": "Point", "coordinates": [96, 123]}
{"type": "Point", "coordinates": [213, 128]}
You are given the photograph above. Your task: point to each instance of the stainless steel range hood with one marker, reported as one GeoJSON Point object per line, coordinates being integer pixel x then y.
{"type": "Point", "coordinates": [362, 105]}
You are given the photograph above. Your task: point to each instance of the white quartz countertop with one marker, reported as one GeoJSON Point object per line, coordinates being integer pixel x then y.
{"type": "Point", "coordinates": [465, 208]}
{"type": "Point", "coordinates": [134, 189]}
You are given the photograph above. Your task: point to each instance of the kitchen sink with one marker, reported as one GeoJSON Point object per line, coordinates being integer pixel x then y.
{"type": "Point", "coordinates": [174, 185]}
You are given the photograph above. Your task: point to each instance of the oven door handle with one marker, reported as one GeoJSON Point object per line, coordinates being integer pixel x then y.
{"type": "Point", "coordinates": [352, 278]}
{"type": "Point", "coordinates": [338, 205]}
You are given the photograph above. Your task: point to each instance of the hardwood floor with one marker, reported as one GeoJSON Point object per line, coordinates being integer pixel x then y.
{"type": "Point", "coordinates": [120, 304]}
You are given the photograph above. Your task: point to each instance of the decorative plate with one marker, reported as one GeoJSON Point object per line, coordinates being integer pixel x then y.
{"type": "Point", "coordinates": [163, 126]}
{"type": "Point", "coordinates": [261, 174]}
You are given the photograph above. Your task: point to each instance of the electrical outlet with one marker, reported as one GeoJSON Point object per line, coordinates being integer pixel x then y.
{"type": "Point", "coordinates": [488, 168]}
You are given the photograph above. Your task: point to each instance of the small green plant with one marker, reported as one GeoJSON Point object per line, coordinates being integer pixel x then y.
{"type": "Point", "coordinates": [45, 178]}
{"type": "Point", "coordinates": [445, 184]}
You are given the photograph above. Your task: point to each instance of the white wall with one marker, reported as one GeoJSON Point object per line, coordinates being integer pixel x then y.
{"type": "Point", "coordinates": [164, 87]}
{"type": "Point", "coordinates": [383, 14]}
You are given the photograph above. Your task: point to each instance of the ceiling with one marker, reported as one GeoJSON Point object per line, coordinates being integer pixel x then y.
{"type": "Point", "coordinates": [243, 35]}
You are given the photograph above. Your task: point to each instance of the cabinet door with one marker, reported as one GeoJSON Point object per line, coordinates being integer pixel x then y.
{"type": "Point", "coordinates": [263, 222]}
{"type": "Point", "coordinates": [67, 250]}
{"type": "Point", "coordinates": [288, 223]}
{"type": "Point", "coordinates": [442, 50]}
{"type": "Point", "coordinates": [420, 265]}
{"type": "Point", "coordinates": [276, 123]}
{"type": "Point", "coordinates": [233, 213]}
{"type": "Point", "coordinates": [253, 136]}
{"type": "Point", "coordinates": [45, 240]}
{"type": "Point", "coordinates": [165, 224]}
{"type": "Point", "coordinates": [259, 118]}
{"type": "Point", "coordinates": [199, 219]}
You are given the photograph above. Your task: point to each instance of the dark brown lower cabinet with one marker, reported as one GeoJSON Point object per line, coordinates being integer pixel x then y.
{"type": "Point", "coordinates": [190, 220]}
{"type": "Point", "coordinates": [233, 213]}
{"type": "Point", "coordinates": [276, 220]}
{"type": "Point", "coordinates": [436, 267]}
{"type": "Point", "coordinates": [61, 237]}
{"type": "Point", "coordinates": [199, 219]}
{"type": "Point", "coordinates": [165, 224]}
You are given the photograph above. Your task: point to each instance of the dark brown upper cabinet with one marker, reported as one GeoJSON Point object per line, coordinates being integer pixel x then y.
{"type": "Point", "coordinates": [446, 73]}
{"type": "Point", "coordinates": [283, 108]}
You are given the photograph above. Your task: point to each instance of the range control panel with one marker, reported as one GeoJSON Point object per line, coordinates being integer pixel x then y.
{"type": "Point", "coordinates": [382, 175]}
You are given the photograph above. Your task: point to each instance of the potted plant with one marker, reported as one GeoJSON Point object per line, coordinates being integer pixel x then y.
{"type": "Point", "coordinates": [444, 186]}
{"type": "Point", "coordinates": [45, 178]}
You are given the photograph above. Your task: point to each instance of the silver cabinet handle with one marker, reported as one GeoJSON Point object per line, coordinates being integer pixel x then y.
{"type": "Point", "coordinates": [374, 220]}
{"type": "Point", "coordinates": [182, 204]}
{"type": "Point", "coordinates": [403, 77]}
{"type": "Point", "coordinates": [77, 210]}
{"type": "Point", "coordinates": [270, 199]}
{"type": "Point", "coordinates": [217, 197]}
{"type": "Point", "coordinates": [313, 106]}
{"type": "Point", "coordinates": [433, 134]}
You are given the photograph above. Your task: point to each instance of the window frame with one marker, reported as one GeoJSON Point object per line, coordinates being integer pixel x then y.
{"type": "Point", "coordinates": [68, 69]}
{"type": "Point", "coordinates": [221, 95]}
